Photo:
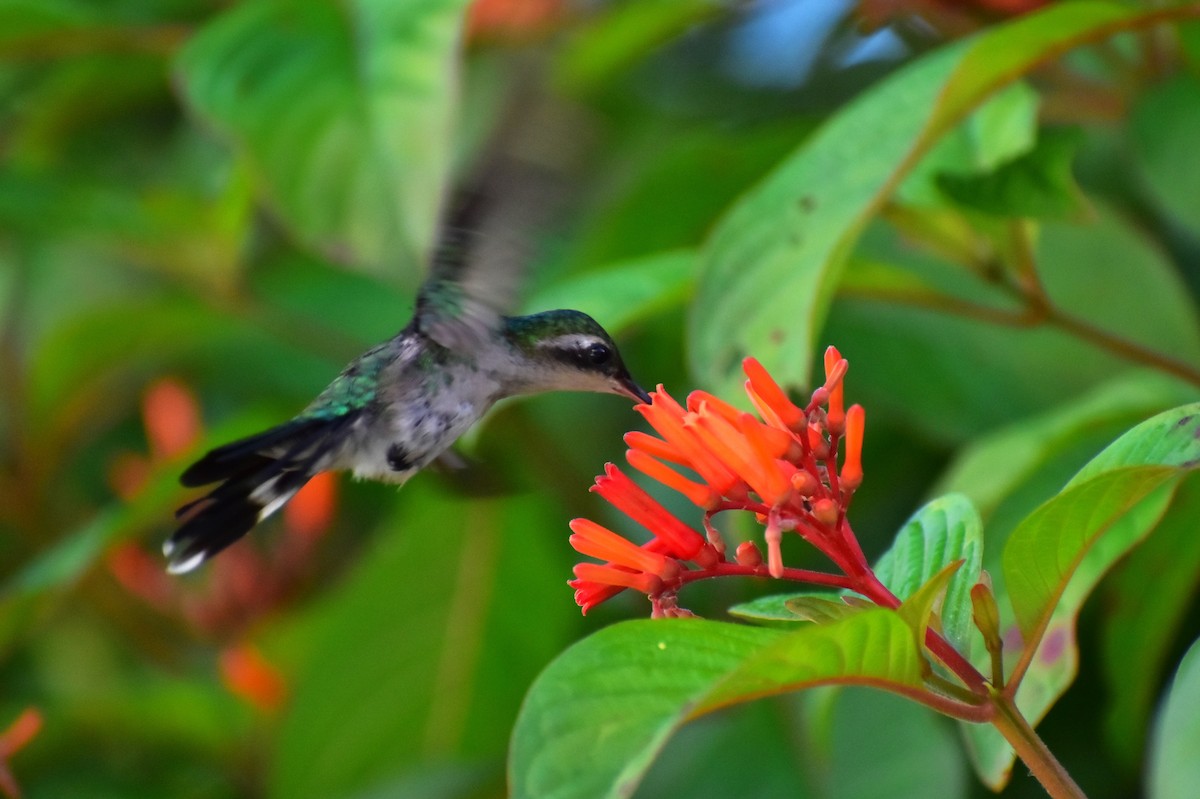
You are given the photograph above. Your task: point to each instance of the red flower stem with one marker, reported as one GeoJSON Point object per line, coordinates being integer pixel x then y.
{"type": "Point", "coordinates": [878, 593]}
{"type": "Point", "coordinates": [1032, 750]}
{"type": "Point", "coordinates": [727, 569]}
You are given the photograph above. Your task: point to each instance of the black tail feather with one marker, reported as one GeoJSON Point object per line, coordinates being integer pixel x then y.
{"type": "Point", "coordinates": [259, 475]}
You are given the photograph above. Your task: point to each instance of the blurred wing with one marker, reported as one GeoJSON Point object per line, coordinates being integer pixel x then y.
{"type": "Point", "coordinates": [480, 258]}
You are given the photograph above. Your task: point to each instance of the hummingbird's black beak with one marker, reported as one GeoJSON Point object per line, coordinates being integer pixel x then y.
{"type": "Point", "coordinates": [632, 389]}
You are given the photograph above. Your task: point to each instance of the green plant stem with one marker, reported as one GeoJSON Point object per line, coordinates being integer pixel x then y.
{"type": "Point", "coordinates": [1032, 751]}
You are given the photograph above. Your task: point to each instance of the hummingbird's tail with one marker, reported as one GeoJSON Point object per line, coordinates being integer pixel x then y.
{"type": "Point", "coordinates": [258, 475]}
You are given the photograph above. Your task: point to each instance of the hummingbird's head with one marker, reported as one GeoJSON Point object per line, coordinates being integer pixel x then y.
{"type": "Point", "coordinates": [568, 351]}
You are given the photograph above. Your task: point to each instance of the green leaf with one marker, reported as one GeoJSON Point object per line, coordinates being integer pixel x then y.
{"type": "Point", "coordinates": [1164, 127]}
{"type": "Point", "coordinates": [1142, 625]}
{"type": "Point", "coordinates": [944, 531]}
{"type": "Point", "coordinates": [343, 111]}
{"type": "Point", "coordinates": [1037, 184]}
{"type": "Point", "coordinates": [918, 608]}
{"type": "Point", "coordinates": [1174, 770]}
{"type": "Point", "coordinates": [598, 715]}
{"type": "Point", "coordinates": [624, 293]}
{"type": "Point", "coordinates": [424, 652]}
{"type": "Point", "coordinates": [1056, 556]}
{"type": "Point", "coordinates": [1002, 129]}
{"type": "Point", "coordinates": [992, 468]}
{"type": "Point", "coordinates": [786, 610]}
{"type": "Point", "coordinates": [777, 255]}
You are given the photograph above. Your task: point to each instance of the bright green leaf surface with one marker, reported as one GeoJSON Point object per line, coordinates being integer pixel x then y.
{"type": "Point", "coordinates": [1174, 768]}
{"type": "Point", "coordinates": [786, 610]}
{"type": "Point", "coordinates": [1056, 556]}
{"type": "Point", "coordinates": [776, 257]}
{"type": "Point", "coordinates": [343, 110]}
{"type": "Point", "coordinates": [943, 531]}
{"type": "Point", "coordinates": [599, 714]}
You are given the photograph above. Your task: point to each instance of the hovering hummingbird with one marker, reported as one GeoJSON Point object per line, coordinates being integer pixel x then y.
{"type": "Point", "coordinates": [401, 404]}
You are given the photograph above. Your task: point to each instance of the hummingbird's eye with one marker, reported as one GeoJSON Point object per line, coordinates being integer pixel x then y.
{"type": "Point", "coordinates": [598, 354]}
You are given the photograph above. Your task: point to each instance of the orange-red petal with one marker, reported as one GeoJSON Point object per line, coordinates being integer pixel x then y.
{"type": "Point", "coordinates": [772, 394]}
{"type": "Point", "coordinates": [835, 370]}
{"type": "Point", "coordinates": [681, 541]}
{"type": "Point", "coordinates": [603, 544]}
{"type": "Point", "coordinates": [699, 494]}
{"type": "Point", "coordinates": [852, 472]}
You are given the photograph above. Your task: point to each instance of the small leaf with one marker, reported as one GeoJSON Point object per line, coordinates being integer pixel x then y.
{"type": "Point", "coordinates": [598, 715]}
{"type": "Point", "coordinates": [1174, 770]}
{"type": "Point", "coordinates": [944, 531]}
{"type": "Point", "coordinates": [785, 610]}
{"type": "Point", "coordinates": [918, 608]}
{"type": "Point", "coordinates": [1037, 184]}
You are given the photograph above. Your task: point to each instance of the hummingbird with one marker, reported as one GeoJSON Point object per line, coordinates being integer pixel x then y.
{"type": "Point", "coordinates": [403, 403]}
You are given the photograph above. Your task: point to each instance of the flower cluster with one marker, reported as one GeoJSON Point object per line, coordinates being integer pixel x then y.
{"type": "Point", "coordinates": [781, 465]}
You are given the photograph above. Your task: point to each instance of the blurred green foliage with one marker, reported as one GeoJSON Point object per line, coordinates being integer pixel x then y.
{"type": "Point", "coordinates": [208, 208]}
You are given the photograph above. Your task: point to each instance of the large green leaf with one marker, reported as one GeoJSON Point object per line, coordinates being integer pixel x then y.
{"type": "Point", "coordinates": [992, 468]}
{"type": "Point", "coordinates": [1142, 625]}
{"type": "Point", "coordinates": [342, 109]}
{"type": "Point", "coordinates": [770, 267]}
{"type": "Point", "coordinates": [1174, 769]}
{"type": "Point", "coordinates": [600, 713]}
{"type": "Point", "coordinates": [1056, 556]}
{"type": "Point", "coordinates": [423, 654]}
{"type": "Point", "coordinates": [943, 531]}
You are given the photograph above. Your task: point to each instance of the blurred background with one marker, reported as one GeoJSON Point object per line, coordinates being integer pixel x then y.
{"type": "Point", "coordinates": [208, 207]}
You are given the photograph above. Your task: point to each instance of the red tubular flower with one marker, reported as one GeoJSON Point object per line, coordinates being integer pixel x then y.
{"type": "Point", "coordinates": [680, 540]}
{"type": "Point", "coordinates": [852, 473]}
{"type": "Point", "coordinates": [782, 467]}
{"type": "Point", "coordinates": [835, 369]}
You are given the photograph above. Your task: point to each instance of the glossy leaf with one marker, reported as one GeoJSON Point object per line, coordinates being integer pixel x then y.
{"type": "Point", "coordinates": [1056, 556]}
{"type": "Point", "coordinates": [945, 530]}
{"type": "Point", "coordinates": [777, 255]}
{"type": "Point", "coordinates": [343, 110]}
{"type": "Point", "coordinates": [619, 694]}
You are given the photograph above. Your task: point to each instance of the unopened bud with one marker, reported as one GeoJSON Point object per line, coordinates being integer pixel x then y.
{"type": "Point", "coordinates": [825, 510]}
{"type": "Point", "coordinates": [805, 484]}
{"type": "Point", "coordinates": [748, 555]}
{"type": "Point", "coordinates": [985, 612]}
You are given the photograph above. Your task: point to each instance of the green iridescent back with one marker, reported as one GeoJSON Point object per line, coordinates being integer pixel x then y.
{"type": "Point", "coordinates": [354, 388]}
